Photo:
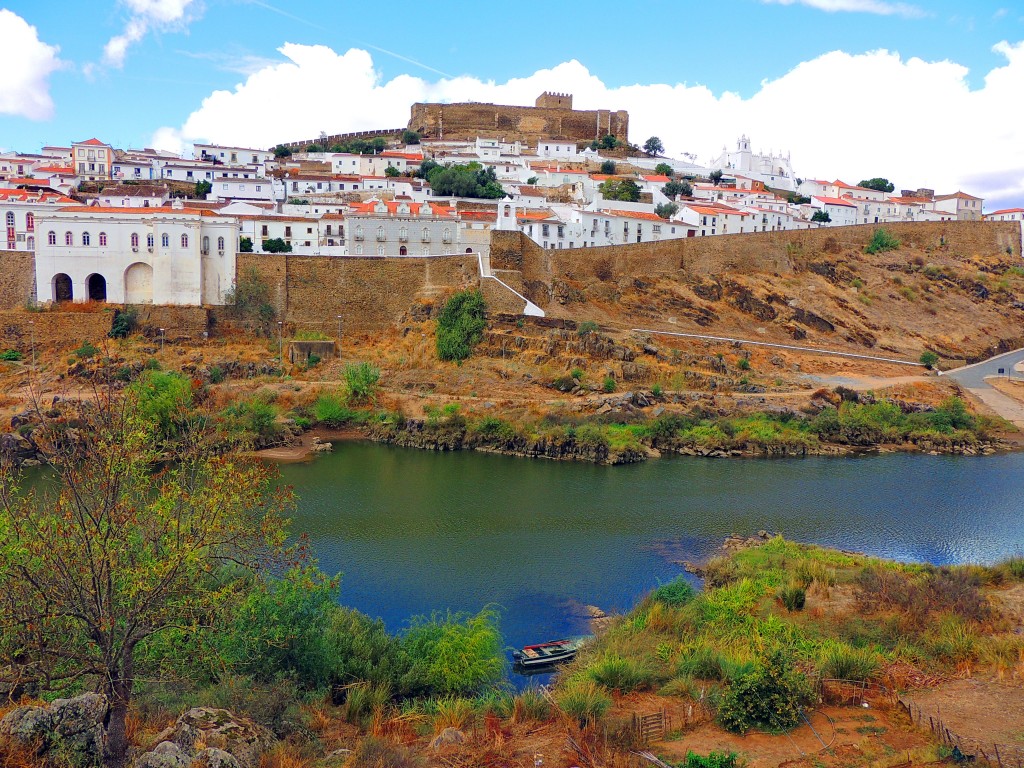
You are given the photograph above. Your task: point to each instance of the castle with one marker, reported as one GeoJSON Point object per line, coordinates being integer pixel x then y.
{"type": "Point", "coordinates": [551, 117]}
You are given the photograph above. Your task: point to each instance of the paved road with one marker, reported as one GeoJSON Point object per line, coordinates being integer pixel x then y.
{"type": "Point", "coordinates": [972, 378]}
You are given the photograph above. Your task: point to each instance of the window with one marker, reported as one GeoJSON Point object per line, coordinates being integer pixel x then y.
{"type": "Point", "coordinates": [220, 244]}
{"type": "Point", "coordinates": [85, 238]}
{"type": "Point", "coordinates": [206, 244]}
{"type": "Point", "coordinates": [425, 235]}
{"type": "Point", "coordinates": [51, 238]}
{"type": "Point", "coordinates": [380, 234]}
{"type": "Point", "coordinates": [30, 244]}
{"type": "Point", "coordinates": [30, 222]}
{"type": "Point", "coordinates": [150, 241]}
{"type": "Point", "coordinates": [10, 218]}
{"type": "Point", "coordinates": [561, 231]}
{"type": "Point", "coordinates": [135, 239]}
{"type": "Point", "coordinates": [359, 249]}
{"type": "Point", "coordinates": [184, 241]}
{"type": "Point", "coordinates": [545, 230]}
{"type": "Point", "coordinates": [287, 231]}
{"type": "Point", "coordinates": [446, 235]}
{"type": "Point", "coordinates": [258, 187]}
{"type": "Point", "coordinates": [103, 238]}
{"type": "Point", "coordinates": [380, 250]}
{"type": "Point", "coordinates": [165, 240]}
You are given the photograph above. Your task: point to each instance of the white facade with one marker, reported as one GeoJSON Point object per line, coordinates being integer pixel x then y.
{"type": "Point", "coordinates": [554, 148]}
{"type": "Point", "coordinates": [1007, 214]}
{"type": "Point", "coordinates": [135, 256]}
{"type": "Point", "coordinates": [379, 228]}
{"type": "Point", "coordinates": [842, 213]}
{"type": "Point", "coordinates": [301, 232]}
{"type": "Point", "coordinates": [224, 155]}
{"type": "Point", "coordinates": [773, 169]}
{"type": "Point", "coordinates": [20, 211]}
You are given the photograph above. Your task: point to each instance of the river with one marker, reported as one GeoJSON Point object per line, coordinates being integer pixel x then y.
{"type": "Point", "coordinates": [414, 531]}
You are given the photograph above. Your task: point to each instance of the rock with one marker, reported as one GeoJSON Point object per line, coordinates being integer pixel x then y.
{"type": "Point", "coordinates": [74, 727]}
{"type": "Point", "coordinates": [166, 754]}
{"type": "Point", "coordinates": [211, 757]}
{"type": "Point", "coordinates": [594, 612]}
{"type": "Point", "coordinates": [606, 408]}
{"type": "Point", "coordinates": [240, 737]}
{"type": "Point", "coordinates": [337, 757]}
{"type": "Point", "coordinates": [448, 736]}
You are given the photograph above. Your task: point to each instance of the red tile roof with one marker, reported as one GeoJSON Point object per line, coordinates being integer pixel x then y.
{"type": "Point", "coordinates": [93, 143]}
{"type": "Point", "coordinates": [834, 201]}
{"type": "Point", "coordinates": [1006, 210]}
{"type": "Point", "coordinates": [656, 177]}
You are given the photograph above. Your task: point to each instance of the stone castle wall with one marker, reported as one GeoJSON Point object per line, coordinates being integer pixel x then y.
{"type": "Point", "coordinates": [17, 278]}
{"type": "Point", "coordinates": [467, 121]}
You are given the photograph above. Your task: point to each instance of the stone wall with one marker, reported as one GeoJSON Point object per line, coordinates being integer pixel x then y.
{"type": "Point", "coordinates": [52, 330]}
{"type": "Point", "coordinates": [177, 322]}
{"type": "Point", "coordinates": [467, 121]}
{"type": "Point", "coordinates": [778, 252]}
{"type": "Point", "coordinates": [17, 278]}
{"type": "Point", "coordinates": [309, 292]}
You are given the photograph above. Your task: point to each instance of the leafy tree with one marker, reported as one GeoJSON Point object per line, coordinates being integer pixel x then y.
{"type": "Point", "coordinates": [625, 190]}
{"type": "Point", "coordinates": [664, 169]}
{"type": "Point", "coordinates": [653, 147]}
{"type": "Point", "coordinates": [470, 180]}
{"type": "Point", "coordinates": [203, 188]}
{"type": "Point", "coordinates": [769, 697]}
{"type": "Point", "coordinates": [282, 151]}
{"type": "Point", "coordinates": [163, 400]}
{"type": "Point", "coordinates": [609, 142]}
{"type": "Point", "coordinates": [124, 323]}
{"type": "Point", "coordinates": [715, 176]}
{"type": "Point", "coordinates": [460, 325]}
{"type": "Point", "coordinates": [410, 137]}
{"type": "Point", "coordinates": [532, 180]}
{"type": "Point", "coordinates": [245, 245]}
{"type": "Point", "coordinates": [594, 145]}
{"type": "Point", "coordinates": [310, 148]}
{"type": "Point", "coordinates": [929, 358]}
{"type": "Point", "coordinates": [361, 381]}
{"type": "Point", "coordinates": [249, 301]}
{"type": "Point", "coordinates": [675, 188]}
{"type": "Point", "coordinates": [608, 167]}
{"type": "Point", "coordinates": [454, 654]}
{"type": "Point", "coordinates": [276, 245]}
{"type": "Point", "coordinates": [822, 216]}
{"type": "Point", "coordinates": [391, 172]}
{"type": "Point", "coordinates": [878, 183]}
{"type": "Point", "coordinates": [666, 210]}
{"type": "Point", "coordinates": [120, 549]}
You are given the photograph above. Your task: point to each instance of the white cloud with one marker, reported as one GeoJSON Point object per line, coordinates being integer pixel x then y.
{"type": "Point", "coordinates": [880, 7]}
{"type": "Point", "coordinates": [841, 115]}
{"type": "Point", "coordinates": [145, 15]}
{"type": "Point", "coordinates": [28, 64]}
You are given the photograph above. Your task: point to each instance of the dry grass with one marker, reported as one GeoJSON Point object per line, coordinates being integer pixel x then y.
{"type": "Point", "coordinates": [284, 755]}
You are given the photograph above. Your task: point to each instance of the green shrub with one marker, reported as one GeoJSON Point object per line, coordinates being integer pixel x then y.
{"type": "Point", "coordinates": [929, 359]}
{"type": "Point", "coordinates": [793, 597]}
{"type": "Point", "coordinates": [11, 355]}
{"type": "Point", "coordinates": [770, 697]}
{"type": "Point", "coordinates": [124, 323]}
{"type": "Point", "coordinates": [619, 674]}
{"type": "Point", "coordinates": [1014, 566]}
{"type": "Point", "coordinates": [250, 301]}
{"type": "Point", "coordinates": [587, 326]}
{"type": "Point", "coordinates": [530, 705]}
{"type": "Point", "coordinates": [675, 593]}
{"type": "Point", "coordinates": [151, 364]}
{"type": "Point", "coordinates": [703, 663]}
{"type": "Point", "coordinates": [494, 428]}
{"type": "Point", "coordinates": [331, 411]}
{"type": "Point", "coordinates": [656, 390]}
{"type": "Point", "coordinates": [217, 374]}
{"type": "Point", "coordinates": [609, 384]}
{"type": "Point", "coordinates": [842, 662]}
{"type": "Point", "coordinates": [743, 364]}
{"type": "Point", "coordinates": [312, 360]}
{"type": "Point", "coordinates": [882, 240]}
{"type": "Point", "coordinates": [584, 700]}
{"type": "Point", "coordinates": [577, 373]}
{"type": "Point", "coordinates": [88, 349]}
{"type": "Point", "coordinates": [163, 401]}
{"type": "Point", "coordinates": [361, 381]}
{"type": "Point", "coordinates": [711, 760]}
{"type": "Point", "coordinates": [453, 654]}
{"type": "Point", "coordinates": [460, 325]}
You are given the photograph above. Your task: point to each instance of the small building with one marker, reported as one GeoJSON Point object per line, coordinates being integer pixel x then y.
{"type": "Point", "coordinates": [92, 160]}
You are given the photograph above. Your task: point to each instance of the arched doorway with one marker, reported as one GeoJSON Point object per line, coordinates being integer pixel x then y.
{"type": "Point", "coordinates": [96, 288]}
{"type": "Point", "coordinates": [62, 289]}
{"type": "Point", "coordinates": [403, 251]}
{"type": "Point", "coordinates": [138, 284]}
{"type": "Point", "coordinates": [469, 250]}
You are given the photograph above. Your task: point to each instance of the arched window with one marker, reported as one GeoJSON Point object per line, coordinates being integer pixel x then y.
{"type": "Point", "coordinates": [30, 222]}
{"type": "Point", "coordinates": [425, 236]}
{"type": "Point", "coordinates": [380, 233]}
{"type": "Point", "coordinates": [51, 238]}
{"type": "Point", "coordinates": [403, 251]}
{"type": "Point", "coordinates": [10, 218]}
{"type": "Point", "coordinates": [220, 244]}
{"type": "Point", "coordinates": [69, 239]}
{"type": "Point", "coordinates": [206, 244]}
{"type": "Point", "coordinates": [86, 239]}
{"type": "Point", "coordinates": [103, 238]}
{"type": "Point", "coordinates": [403, 234]}
{"type": "Point", "coordinates": [135, 239]}
{"type": "Point", "coordinates": [446, 235]}
{"type": "Point", "coordinates": [165, 240]}
{"type": "Point", "coordinates": [149, 241]}
{"type": "Point", "coordinates": [508, 210]}
{"type": "Point", "coordinates": [30, 243]}
{"type": "Point", "coordinates": [184, 241]}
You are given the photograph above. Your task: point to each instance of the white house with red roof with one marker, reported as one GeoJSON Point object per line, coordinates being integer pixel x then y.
{"type": "Point", "coordinates": [708, 219]}
{"type": "Point", "coordinates": [168, 255]}
{"type": "Point", "coordinates": [557, 149]}
{"type": "Point", "coordinates": [402, 228]}
{"type": "Point", "coordinates": [966, 207]}
{"type": "Point", "coordinates": [841, 212]}
{"type": "Point", "coordinates": [20, 210]}
{"type": "Point", "coordinates": [1006, 214]}
{"type": "Point", "coordinates": [92, 160]}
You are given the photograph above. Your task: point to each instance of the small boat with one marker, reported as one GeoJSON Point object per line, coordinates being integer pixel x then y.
{"type": "Point", "coordinates": [546, 654]}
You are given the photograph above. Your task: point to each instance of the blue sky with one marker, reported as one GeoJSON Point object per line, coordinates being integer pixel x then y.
{"type": "Point", "coordinates": [173, 54]}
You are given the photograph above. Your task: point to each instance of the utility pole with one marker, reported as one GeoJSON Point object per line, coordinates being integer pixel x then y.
{"type": "Point", "coordinates": [162, 333]}
{"type": "Point", "coordinates": [280, 344]}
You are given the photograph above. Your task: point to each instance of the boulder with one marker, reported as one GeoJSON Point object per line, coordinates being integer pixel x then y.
{"type": "Point", "coordinates": [240, 737]}
{"type": "Point", "coordinates": [74, 727]}
{"type": "Point", "coordinates": [448, 736]}
{"type": "Point", "coordinates": [211, 757]}
{"type": "Point", "coordinates": [166, 754]}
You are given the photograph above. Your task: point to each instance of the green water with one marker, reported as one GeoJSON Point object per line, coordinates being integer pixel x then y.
{"type": "Point", "coordinates": [414, 531]}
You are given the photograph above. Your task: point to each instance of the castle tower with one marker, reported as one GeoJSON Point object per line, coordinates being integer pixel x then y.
{"type": "Point", "coordinates": [550, 100]}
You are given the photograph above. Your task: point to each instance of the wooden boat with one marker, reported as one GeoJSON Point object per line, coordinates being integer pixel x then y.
{"type": "Point", "coordinates": [546, 654]}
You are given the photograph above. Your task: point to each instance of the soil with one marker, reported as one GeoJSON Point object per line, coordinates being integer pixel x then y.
{"type": "Point", "coordinates": [984, 710]}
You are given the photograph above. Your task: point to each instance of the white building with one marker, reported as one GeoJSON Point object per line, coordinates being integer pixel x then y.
{"type": "Point", "coordinates": [171, 255]}
{"type": "Point", "coordinates": [21, 209]}
{"type": "Point", "coordinates": [224, 155]}
{"type": "Point", "coordinates": [1006, 214]}
{"type": "Point", "coordinates": [554, 148]}
{"type": "Point", "coordinates": [773, 169]}
{"type": "Point", "coordinates": [966, 207]}
{"type": "Point", "coordinates": [841, 212]}
{"type": "Point", "coordinates": [402, 228]}
{"type": "Point", "coordinates": [133, 196]}
{"type": "Point", "coordinates": [302, 233]}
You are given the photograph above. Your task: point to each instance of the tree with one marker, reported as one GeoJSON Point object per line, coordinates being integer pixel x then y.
{"type": "Point", "coordinates": [664, 169]}
{"type": "Point", "coordinates": [532, 180]}
{"type": "Point", "coordinates": [878, 183]}
{"type": "Point", "coordinates": [608, 142]}
{"type": "Point", "coordinates": [821, 216]}
{"type": "Point", "coordinates": [625, 190]}
{"type": "Point", "coordinates": [245, 245]}
{"type": "Point", "coordinates": [715, 176]}
{"type": "Point", "coordinates": [653, 147]}
{"type": "Point", "coordinates": [276, 245]}
{"type": "Point", "coordinates": [666, 210]}
{"type": "Point", "coordinates": [608, 167]}
{"type": "Point", "coordinates": [410, 137]}
{"type": "Point", "coordinates": [391, 172]}
{"type": "Point", "coordinates": [675, 188]}
{"type": "Point", "coordinates": [281, 151]}
{"type": "Point", "coordinates": [460, 325]}
{"type": "Point", "coordinates": [123, 546]}
{"type": "Point", "coordinates": [203, 188]}
{"type": "Point", "coordinates": [470, 180]}
{"type": "Point", "coordinates": [929, 359]}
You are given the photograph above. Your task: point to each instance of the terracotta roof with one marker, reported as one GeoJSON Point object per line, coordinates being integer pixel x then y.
{"type": "Point", "coordinates": [834, 201]}
{"type": "Point", "coordinates": [406, 155]}
{"type": "Point", "coordinates": [632, 215]}
{"type": "Point", "coordinates": [716, 210]}
{"type": "Point", "coordinates": [958, 194]}
{"type": "Point", "coordinates": [535, 215]}
{"type": "Point", "coordinates": [481, 215]}
{"type": "Point", "coordinates": [1006, 210]}
{"type": "Point", "coordinates": [54, 169]}
{"type": "Point", "coordinates": [657, 177]}
{"type": "Point", "coordinates": [367, 208]}
{"type": "Point", "coordinates": [147, 211]}
{"type": "Point", "coordinates": [92, 143]}
{"type": "Point", "coordinates": [26, 196]}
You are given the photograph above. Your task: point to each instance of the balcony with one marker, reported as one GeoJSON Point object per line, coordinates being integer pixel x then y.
{"type": "Point", "coordinates": [357, 238]}
{"type": "Point", "coordinates": [425, 239]}
{"type": "Point", "coordinates": [403, 238]}
{"type": "Point", "coordinates": [381, 238]}
{"type": "Point", "coordinates": [447, 239]}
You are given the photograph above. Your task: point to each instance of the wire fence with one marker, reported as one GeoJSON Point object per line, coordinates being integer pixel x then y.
{"type": "Point", "coordinates": [966, 749]}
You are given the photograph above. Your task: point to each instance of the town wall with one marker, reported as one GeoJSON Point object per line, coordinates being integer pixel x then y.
{"type": "Point", "coordinates": [468, 121]}
{"type": "Point", "coordinates": [51, 329]}
{"type": "Point", "coordinates": [309, 292]}
{"type": "Point", "coordinates": [17, 278]}
{"type": "Point", "coordinates": [778, 252]}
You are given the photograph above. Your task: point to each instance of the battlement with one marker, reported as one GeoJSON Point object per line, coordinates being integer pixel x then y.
{"type": "Point", "coordinates": [551, 100]}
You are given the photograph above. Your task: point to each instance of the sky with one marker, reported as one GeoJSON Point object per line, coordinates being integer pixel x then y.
{"type": "Point", "coordinates": [924, 93]}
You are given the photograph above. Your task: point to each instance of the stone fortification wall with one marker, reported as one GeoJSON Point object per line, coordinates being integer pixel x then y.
{"type": "Point", "coordinates": [17, 278]}
{"type": "Point", "coordinates": [309, 292]}
{"type": "Point", "coordinates": [51, 330]}
{"type": "Point", "coordinates": [778, 252]}
{"type": "Point", "coordinates": [467, 121]}
{"type": "Point", "coordinates": [177, 322]}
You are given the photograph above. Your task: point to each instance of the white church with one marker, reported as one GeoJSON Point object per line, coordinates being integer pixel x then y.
{"type": "Point", "coordinates": [774, 170]}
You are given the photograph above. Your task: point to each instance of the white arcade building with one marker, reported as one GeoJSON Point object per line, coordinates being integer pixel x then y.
{"type": "Point", "coordinates": [166, 255]}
